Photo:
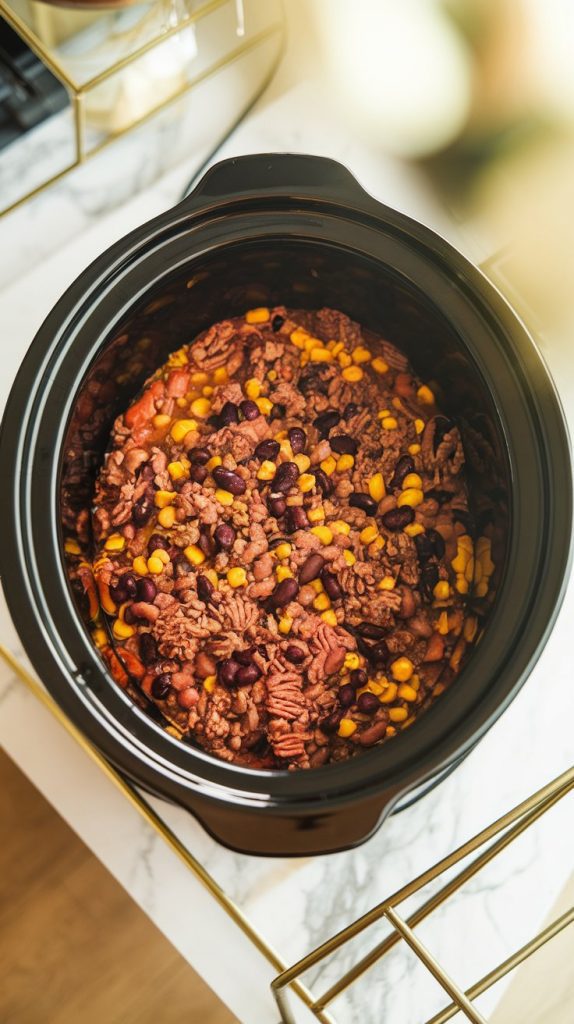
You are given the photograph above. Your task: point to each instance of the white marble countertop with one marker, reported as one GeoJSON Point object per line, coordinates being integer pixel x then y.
{"type": "Point", "coordinates": [296, 904]}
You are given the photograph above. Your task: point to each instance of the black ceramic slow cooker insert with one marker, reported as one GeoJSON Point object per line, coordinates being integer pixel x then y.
{"type": "Point", "coordinates": [296, 230]}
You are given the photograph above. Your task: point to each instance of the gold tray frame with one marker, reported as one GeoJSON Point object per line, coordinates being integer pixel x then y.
{"type": "Point", "coordinates": [506, 828]}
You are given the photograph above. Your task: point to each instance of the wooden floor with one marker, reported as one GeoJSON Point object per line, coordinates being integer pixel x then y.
{"type": "Point", "coordinates": [73, 946]}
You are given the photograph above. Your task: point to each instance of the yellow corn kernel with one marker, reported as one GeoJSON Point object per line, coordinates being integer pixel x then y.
{"type": "Point", "coordinates": [194, 554]}
{"type": "Point", "coordinates": [377, 545]}
{"type": "Point", "coordinates": [201, 407]}
{"type": "Point", "coordinates": [344, 359]}
{"type": "Point", "coordinates": [398, 714]}
{"type": "Point", "coordinates": [346, 727]}
{"type": "Point", "coordinates": [324, 534]}
{"type": "Point", "coordinates": [71, 547]}
{"type": "Point", "coordinates": [481, 589]}
{"type": "Point", "coordinates": [389, 694]}
{"type": "Point", "coordinates": [164, 498]}
{"type": "Point", "coordinates": [466, 543]}
{"type": "Point", "coordinates": [264, 405]}
{"type": "Point", "coordinates": [266, 470]}
{"type": "Point", "coordinates": [322, 602]}
{"type": "Point", "coordinates": [306, 482]}
{"type": "Point", "coordinates": [176, 470]}
{"type": "Point", "coordinates": [328, 465]}
{"type": "Point", "coordinates": [379, 365]}
{"type": "Point", "coordinates": [349, 557]}
{"type": "Point", "coordinates": [470, 628]}
{"type": "Point", "coordinates": [209, 683]}
{"type": "Point", "coordinates": [462, 585]}
{"type": "Point", "coordinates": [294, 500]}
{"type": "Point", "coordinates": [162, 554]}
{"type": "Point", "coordinates": [459, 563]}
{"type": "Point", "coordinates": [336, 347]}
{"type": "Point", "coordinates": [407, 693]}
{"type": "Point", "coordinates": [166, 517]}
{"type": "Point", "coordinates": [284, 625]}
{"type": "Point", "coordinates": [425, 395]}
{"type": "Point", "coordinates": [469, 571]}
{"type": "Point", "coordinates": [353, 374]}
{"type": "Point", "coordinates": [402, 669]}
{"type": "Point", "coordinates": [382, 413]}
{"type": "Point", "coordinates": [214, 461]}
{"type": "Point", "coordinates": [412, 480]}
{"type": "Point", "coordinates": [368, 534]}
{"type": "Point", "coordinates": [312, 343]}
{"type": "Point", "coordinates": [361, 355]}
{"type": "Point", "coordinates": [161, 420]}
{"type": "Point", "coordinates": [283, 550]}
{"type": "Point", "coordinates": [207, 391]}
{"type": "Point", "coordinates": [340, 526]}
{"type": "Point", "coordinates": [155, 565]}
{"type": "Point", "coordinates": [257, 316]}
{"type": "Point", "coordinates": [441, 590]}
{"type": "Point", "coordinates": [282, 572]}
{"type": "Point", "coordinates": [317, 586]}
{"type": "Point", "coordinates": [411, 497]}
{"type": "Point", "coordinates": [237, 577]}
{"type": "Point", "coordinates": [253, 388]}
{"type": "Point", "coordinates": [302, 462]}
{"type": "Point", "coordinates": [178, 358]}
{"type": "Point", "coordinates": [181, 403]}
{"type": "Point", "coordinates": [212, 577]}
{"type": "Point", "coordinates": [377, 487]}
{"type": "Point", "coordinates": [397, 404]}
{"type": "Point", "coordinates": [352, 661]}
{"type": "Point", "coordinates": [299, 337]}
{"type": "Point", "coordinates": [285, 449]}
{"type": "Point", "coordinates": [272, 375]}
{"type": "Point", "coordinates": [414, 449]}
{"type": "Point", "coordinates": [280, 435]}
{"type": "Point", "coordinates": [139, 565]}
{"type": "Point", "coordinates": [387, 583]}
{"type": "Point", "coordinates": [100, 637]}
{"type": "Point", "coordinates": [303, 359]}
{"type": "Point", "coordinates": [316, 515]}
{"type": "Point", "coordinates": [389, 423]}
{"type": "Point", "coordinates": [181, 428]}
{"type": "Point", "coordinates": [220, 375]}
{"type": "Point", "coordinates": [413, 529]}
{"type": "Point", "coordinates": [199, 377]}
{"type": "Point", "coordinates": [115, 542]}
{"type": "Point", "coordinates": [344, 463]}
{"type": "Point", "coordinates": [442, 624]}
{"type": "Point", "coordinates": [122, 631]}
{"type": "Point", "coordinates": [321, 355]}
{"type": "Point", "coordinates": [419, 425]}
{"type": "Point", "coordinates": [224, 497]}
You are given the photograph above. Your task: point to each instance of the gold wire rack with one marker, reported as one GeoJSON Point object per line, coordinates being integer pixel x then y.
{"type": "Point", "coordinates": [487, 844]}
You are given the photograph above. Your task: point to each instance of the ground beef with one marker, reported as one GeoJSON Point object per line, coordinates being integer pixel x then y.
{"type": "Point", "coordinates": [280, 542]}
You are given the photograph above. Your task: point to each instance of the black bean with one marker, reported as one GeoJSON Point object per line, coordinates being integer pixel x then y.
{"type": "Point", "coordinates": [229, 413]}
{"type": "Point", "coordinates": [199, 456]}
{"type": "Point", "coordinates": [297, 440]}
{"type": "Point", "coordinates": [146, 590]}
{"type": "Point", "coordinates": [332, 586]}
{"type": "Point", "coordinates": [156, 541]}
{"type": "Point", "coordinates": [443, 426]}
{"type": "Point", "coordinates": [276, 506]}
{"type": "Point", "coordinates": [326, 421]}
{"type": "Point", "coordinates": [312, 380]}
{"type": "Point", "coordinates": [429, 579]}
{"type": "Point", "coordinates": [198, 474]}
{"type": "Point", "coordinates": [346, 695]}
{"type": "Point", "coordinates": [296, 519]}
{"type": "Point", "coordinates": [294, 654]}
{"type": "Point", "coordinates": [331, 723]}
{"type": "Point", "coordinates": [368, 703]}
{"type": "Point", "coordinates": [148, 648]}
{"type": "Point", "coordinates": [403, 467]}
{"type": "Point", "coordinates": [249, 409]}
{"type": "Point", "coordinates": [351, 409]}
{"type": "Point", "coordinates": [204, 588]}
{"type": "Point", "coordinates": [311, 568]}
{"type": "Point", "coordinates": [247, 674]}
{"type": "Point", "coordinates": [460, 515]}
{"type": "Point", "coordinates": [285, 477]}
{"type": "Point", "coordinates": [397, 518]}
{"type": "Point", "coordinates": [227, 671]}
{"type": "Point", "coordinates": [323, 481]}
{"type": "Point", "coordinates": [123, 589]}
{"type": "Point", "coordinates": [129, 616]}
{"type": "Point", "coordinates": [268, 449]}
{"type": "Point", "coordinates": [360, 500]}
{"type": "Point", "coordinates": [424, 546]}
{"type": "Point", "coordinates": [224, 536]}
{"type": "Point", "coordinates": [141, 511]}
{"type": "Point", "coordinates": [161, 686]}
{"type": "Point", "coordinates": [359, 678]}
{"type": "Point", "coordinates": [229, 480]}
{"type": "Point", "coordinates": [285, 592]}
{"type": "Point", "coordinates": [437, 541]}
{"type": "Point", "coordinates": [439, 495]}
{"type": "Point", "coordinates": [244, 657]}
{"type": "Point", "coordinates": [379, 653]}
{"type": "Point", "coordinates": [278, 411]}
{"type": "Point", "coordinates": [277, 322]}
{"type": "Point", "coordinates": [371, 631]}
{"type": "Point", "coordinates": [343, 444]}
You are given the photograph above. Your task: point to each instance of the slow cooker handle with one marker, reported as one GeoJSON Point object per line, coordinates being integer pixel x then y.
{"type": "Point", "coordinates": [280, 174]}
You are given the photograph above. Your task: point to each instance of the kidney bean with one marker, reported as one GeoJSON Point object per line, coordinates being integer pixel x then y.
{"type": "Point", "coordinates": [370, 630]}
{"type": "Point", "coordinates": [244, 657]}
{"type": "Point", "coordinates": [206, 543]}
{"type": "Point", "coordinates": [286, 477]}
{"type": "Point", "coordinates": [247, 674]}
{"type": "Point", "coordinates": [276, 506]}
{"type": "Point", "coordinates": [326, 421]}
{"type": "Point", "coordinates": [437, 541]}
{"type": "Point", "coordinates": [227, 671]}
{"type": "Point", "coordinates": [403, 467]}
{"type": "Point", "coordinates": [344, 444]}
{"type": "Point", "coordinates": [268, 449]}
{"type": "Point", "coordinates": [332, 586]}
{"type": "Point", "coordinates": [278, 411]}
{"type": "Point", "coordinates": [248, 409]}
{"type": "Point", "coordinates": [397, 518]}
{"type": "Point", "coordinates": [368, 703]}
{"type": "Point", "coordinates": [229, 480]}
{"type": "Point", "coordinates": [359, 678]}
{"type": "Point", "coordinates": [296, 519]}
{"type": "Point", "coordinates": [199, 456]}
{"type": "Point", "coordinates": [323, 481]}
{"type": "Point", "coordinates": [351, 409]}
{"type": "Point", "coordinates": [311, 568]}
{"type": "Point", "coordinates": [141, 511]}
{"type": "Point", "coordinates": [346, 695]}
{"type": "Point", "coordinates": [148, 648]}
{"type": "Point", "coordinates": [331, 723]}
{"type": "Point", "coordinates": [146, 589]}
{"type": "Point", "coordinates": [285, 592]}
{"type": "Point", "coordinates": [364, 501]}
{"type": "Point", "coordinates": [277, 322]}
{"type": "Point", "coordinates": [297, 440]}
{"type": "Point", "coordinates": [198, 474]}
{"type": "Point", "coordinates": [156, 541]}
{"type": "Point", "coordinates": [368, 737]}
{"type": "Point", "coordinates": [161, 686]}
{"type": "Point", "coordinates": [294, 654]}
{"type": "Point", "coordinates": [429, 579]}
{"type": "Point", "coordinates": [204, 588]}
{"type": "Point", "coordinates": [224, 536]}
{"type": "Point", "coordinates": [229, 414]}
{"type": "Point", "coordinates": [130, 616]}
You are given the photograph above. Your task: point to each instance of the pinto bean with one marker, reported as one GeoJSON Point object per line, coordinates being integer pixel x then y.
{"type": "Point", "coordinates": [373, 734]}
{"type": "Point", "coordinates": [263, 567]}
